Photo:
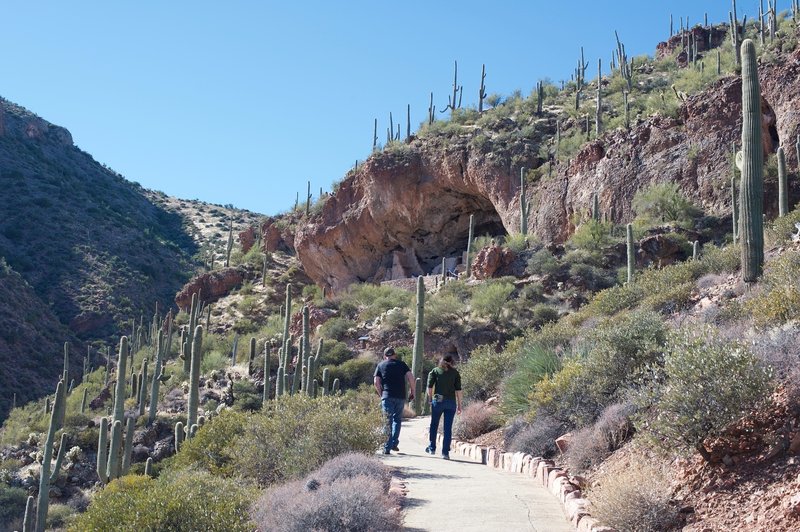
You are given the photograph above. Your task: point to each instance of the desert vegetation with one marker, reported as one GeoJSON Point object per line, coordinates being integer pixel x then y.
{"type": "Point", "coordinates": [254, 410]}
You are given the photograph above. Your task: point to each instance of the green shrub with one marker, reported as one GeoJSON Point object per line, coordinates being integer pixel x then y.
{"type": "Point", "coordinates": [518, 242]}
{"type": "Point", "coordinates": [12, 503]}
{"type": "Point", "coordinates": [489, 299]}
{"type": "Point", "coordinates": [369, 301]}
{"type": "Point", "coordinates": [590, 277]}
{"type": "Point", "coordinates": [615, 299]}
{"type": "Point", "coordinates": [210, 449]}
{"type": "Point", "coordinates": [443, 310]}
{"type": "Point", "coordinates": [296, 434]}
{"type": "Point", "coordinates": [483, 372]}
{"type": "Point", "coordinates": [334, 353]}
{"type": "Point", "coordinates": [781, 229]}
{"type": "Point", "coordinates": [535, 363]}
{"type": "Point", "coordinates": [778, 299]}
{"type": "Point", "coordinates": [216, 360]}
{"type": "Point", "coordinates": [614, 355]}
{"type": "Point", "coordinates": [542, 315]}
{"type": "Point", "coordinates": [59, 515]}
{"type": "Point", "coordinates": [708, 383]}
{"type": "Point", "coordinates": [663, 203]}
{"type": "Point", "coordinates": [246, 395]}
{"type": "Point", "coordinates": [591, 235]}
{"type": "Point", "coordinates": [336, 328]}
{"type": "Point", "coordinates": [637, 498]}
{"type": "Point", "coordinates": [353, 372]}
{"type": "Point", "coordinates": [543, 262]}
{"type": "Point", "coordinates": [184, 500]}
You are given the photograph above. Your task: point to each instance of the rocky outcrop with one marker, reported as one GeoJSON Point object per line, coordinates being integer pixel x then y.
{"type": "Point", "coordinates": [275, 237]}
{"type": "Point", "coordinates": [211, 286]}
{"type": "Point", "coordinates": [316, 317]}
{"type": "Point", "coordinates": [491, 260]}
{"type": "Point", "coordinates": [247, 238]}
{"type": "Point", "coordinates": [410, 206]}
{"type": "Point", "coordinates": [706, 37]}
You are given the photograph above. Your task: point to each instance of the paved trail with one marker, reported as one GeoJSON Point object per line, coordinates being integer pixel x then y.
{"type": "Point", "coordinates": [461, 495]}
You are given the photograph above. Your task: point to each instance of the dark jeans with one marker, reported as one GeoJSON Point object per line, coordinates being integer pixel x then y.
{"type": "Point", "coordinates": [448, 408]}
{"type": "Point", "coordinates": [393, 411]}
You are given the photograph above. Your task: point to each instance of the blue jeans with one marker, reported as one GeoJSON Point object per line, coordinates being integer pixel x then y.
{"type": "Point", "coordinates": [393, 411]}
{"type": "Point", "coordinates": [448, 408]}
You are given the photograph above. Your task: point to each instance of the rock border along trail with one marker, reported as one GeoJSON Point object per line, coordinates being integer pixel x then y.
{"type": "Point", "coordinates": [463, 495]}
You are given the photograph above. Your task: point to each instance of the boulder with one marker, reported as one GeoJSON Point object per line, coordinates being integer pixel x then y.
{"type": "Point", "coordinates": [491, 260]}
{"type": "Point", "coordinates": [211, 286]}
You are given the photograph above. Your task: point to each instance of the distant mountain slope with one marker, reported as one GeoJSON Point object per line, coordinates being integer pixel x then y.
{"type": "Point", "coordinates": [31, 343]}
{"type": "Point", "coordinates": [91, 244]}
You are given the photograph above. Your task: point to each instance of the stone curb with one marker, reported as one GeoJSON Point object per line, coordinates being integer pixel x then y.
{"type": "Point", "coordinates": [555, 479]}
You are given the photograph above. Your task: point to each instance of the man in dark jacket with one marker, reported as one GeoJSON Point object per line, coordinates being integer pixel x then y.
{"type": "Point", "coordinates": [390, 380]}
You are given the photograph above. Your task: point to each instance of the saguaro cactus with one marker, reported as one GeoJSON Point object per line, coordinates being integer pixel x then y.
{"type": "Point", "coordinates": [752, 187]}
{"type": "Point", "coordinates": [524, 206]}
{"type": "Point", "coordinates": [45, 477]}
{"type": "Point", "coordinates": [194, 377]}
{"type": "Point", "coordinates": [265, 393]}
{"type": "Point", "coordinates": [783, 190]}
{"type": "Point", "coordinates": [631, 252]}
{"type": "Point", "coordinates": [28, 522]}
{"type": "Point", "coordinates": [158, 370]}
{"type": "Point", "coordinates": [469, 245]}
{"type": "Point", "coordinates": [287, 346]}
{"type": "Point", "coordinates": [419, 338]}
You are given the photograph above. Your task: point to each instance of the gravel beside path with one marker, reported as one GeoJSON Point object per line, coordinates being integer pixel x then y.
{"type": "Point", "coordinates": [461, 495]}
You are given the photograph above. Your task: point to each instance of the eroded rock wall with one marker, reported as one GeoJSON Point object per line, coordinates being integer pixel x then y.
{"type": "Point", "coordinates": [417, 199]}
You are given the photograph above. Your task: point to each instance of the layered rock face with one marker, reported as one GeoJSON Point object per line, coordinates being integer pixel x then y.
{"type": "Point", "coordinates": [406, 208]}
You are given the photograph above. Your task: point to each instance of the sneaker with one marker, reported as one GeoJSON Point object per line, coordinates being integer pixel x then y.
{"type": "Point", "coordinates": [395, 448]}
{"type": "Point", "coordinates": [446, 456]}
{"type": "Point", "coordinates": [386, 451]}
{"type": "Point", "coordinates": [430, 450]}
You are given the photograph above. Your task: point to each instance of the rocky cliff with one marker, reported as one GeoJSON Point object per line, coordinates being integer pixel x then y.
{"type": "Point", "coordinates": [408, 206]}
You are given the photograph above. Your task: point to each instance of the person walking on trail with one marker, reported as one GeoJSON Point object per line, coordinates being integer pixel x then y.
{"type": "Point", "coordinates": [444, 393]}
{"type": "Point", "coordinates": [390, 380]}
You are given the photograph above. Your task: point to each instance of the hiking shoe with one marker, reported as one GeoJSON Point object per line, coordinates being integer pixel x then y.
{"type": "Point", "coordinates": [446, 456]}
{"type": "Point", "coordinates": [395, 448]}
{"type": "Point", "coordinates": [386, 451]}
{"type": "Point", "coordinates": [430, 450]}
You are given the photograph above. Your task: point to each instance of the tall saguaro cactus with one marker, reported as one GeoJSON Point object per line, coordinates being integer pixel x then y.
{"type": "Point", "coordinates": [631, 252]}
{"type": "Point", "coordinates": [287, 345]}
{"type": "Point", "coordinates": [158, 370]}
{"type": "Point", "coordinates": [783, 190]}
{"type": "Point", "coordinates": [524, 206]}
{"type": "Point", "coordinates": [419, 339]}
{"type": "Point", "coordinates": [469, 245]}
{"type": "Point", "coordinates": [752, 188]}
{"type": "Point", "coordinates": [45, 477]}
{"type": "Point", "coordinates": [194, 377]}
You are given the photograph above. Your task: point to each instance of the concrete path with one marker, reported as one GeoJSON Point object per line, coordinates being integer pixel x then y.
{"type": "Point", "coordinates": [460, 495]}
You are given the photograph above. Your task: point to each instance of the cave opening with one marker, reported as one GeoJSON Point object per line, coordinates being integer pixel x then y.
{"type": "Point", "coordinates": [442, 233]}
{"type": "Point", "coordinates": [451, 241]}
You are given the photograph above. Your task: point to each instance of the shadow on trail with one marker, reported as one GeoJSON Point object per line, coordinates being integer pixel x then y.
{"type": "Point", "coordinates": [408, 472]}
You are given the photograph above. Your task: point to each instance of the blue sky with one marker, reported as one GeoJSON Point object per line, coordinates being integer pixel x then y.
{"type": "Point", "coordinates": [243, 102]}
